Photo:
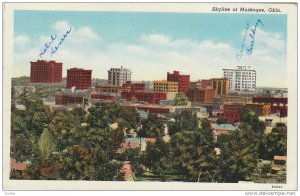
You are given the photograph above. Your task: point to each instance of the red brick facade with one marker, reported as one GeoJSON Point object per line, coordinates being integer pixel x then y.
{"type": "Point", "coordinates": [183, 81]}
{"type": "Point", "coordinates": [69, 99]}
{"type": "Point", "coordinates": [109, 98]}
{"type": "Point", "coordinates": [79, 78]}
{"type": "Point", "coordinates": [201, 95]}
{"type": "Point", "coordinates": [150, 97]}
{"type": "Point", "coordinates": [45, 72]}
{"type": "Point", "coordinates": [232, 116]}
{"type": "Point", "coordinates": [278, 104]}
{"type": "Point", "coordinates": [135, 86]}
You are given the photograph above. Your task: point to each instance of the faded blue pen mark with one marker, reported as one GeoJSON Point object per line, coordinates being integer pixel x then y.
{"type": "Point", "coordinates": [252, 37]}
{"type": "Point", "coordinates": [54, 49]}
{"type": "Point", "coordinates": [46, 46]}
{"type": "Point", "coordinates": [240, 54]}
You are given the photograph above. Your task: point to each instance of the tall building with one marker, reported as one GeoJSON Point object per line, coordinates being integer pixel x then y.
{"type": "Point", "coordinates": [241, 79]}
{"type": "Point", "coordinates": [79, 78]}
{"type": "Point", "coordinates": [165, 86]}
{"type": "Point", "coordinates": [201, 95]}
{"type": "Point", "coordinates": [119, 76]}
{"type": "Point", "coordinates": [221, 86]}
{"type": "Point", "coordinates": [45, 72]}
{"type": "Point", "coordinates": [183, 81]}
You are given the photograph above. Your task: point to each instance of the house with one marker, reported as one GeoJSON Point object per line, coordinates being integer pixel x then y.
{"type": "Point", "coordinates": [222, 129]}
{"type": "Point", "coordinates": [279, 164]}
{"type": "Point", "coordinates": [17, 166]}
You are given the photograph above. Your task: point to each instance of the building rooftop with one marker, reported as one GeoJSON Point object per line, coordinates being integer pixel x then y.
{"type": "Point", "coordinates": [228, 127]}
{"type": "Point", "coordinates": [142, 114]}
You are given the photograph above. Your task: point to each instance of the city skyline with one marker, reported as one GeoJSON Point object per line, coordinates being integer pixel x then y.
{"type": "Point", "coordinates": [152, 44]}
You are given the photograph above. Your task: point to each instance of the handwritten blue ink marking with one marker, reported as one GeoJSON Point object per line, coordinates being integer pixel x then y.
{"type": "Point", "coordinates": [53, 50]}
{"type": "Point", "coordinates": [46, 46]}
{"type": "Point", "coordinates": [252, 36]}
{"type": "Point", "coordinates": [239, 55]}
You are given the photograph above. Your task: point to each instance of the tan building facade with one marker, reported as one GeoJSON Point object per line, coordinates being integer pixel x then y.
{"type": "Point", "coordinates": [221, 86]}
{"type": "Point", "coordinates": [165, 86]}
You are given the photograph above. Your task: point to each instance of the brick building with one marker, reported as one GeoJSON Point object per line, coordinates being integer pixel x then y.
{"type": "Point", "coordinates": [165, 86]}
{"type": "Point", "coordinates": [232, 116]}
{"type": "Point", "coordinates": [45, 72]}
{"type": "Point", "coordinates": [103, 97]}
{"type": "Point", "coordinates": [183, 81]}
{"type": "Point", "coordinates": [112, 89]}
{"type": "Point", "coordinates": [200, 95]}
{"type": "Point", "coordinates": [70, 99]}
{"type": "Point", "coordinates": [135, 86]}
{"type": "Point", "coordinates": [221, 86]}
{"type": "Point", "coordinates": [261, 109]}
{"type": "Point", "coordinates": [79, 78]}
{"type": "Point", "coordinates": [206, 83]}
{"type": "Point", "coordinates": [150, 97]}
{"type": "Point", "coordinates": [278, 104]}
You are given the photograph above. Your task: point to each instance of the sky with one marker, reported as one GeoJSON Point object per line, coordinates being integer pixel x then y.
{"type": "Point", "coordinates": [152, 44]}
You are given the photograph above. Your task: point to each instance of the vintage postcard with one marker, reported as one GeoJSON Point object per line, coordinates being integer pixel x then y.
{"type": "Point", "coordinates": [150, 96]}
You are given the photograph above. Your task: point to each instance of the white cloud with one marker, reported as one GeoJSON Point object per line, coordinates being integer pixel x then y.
{"type": "Point", "coordinates": [21, 41]}
{"type": "Point", "coordinates": [153, 55]}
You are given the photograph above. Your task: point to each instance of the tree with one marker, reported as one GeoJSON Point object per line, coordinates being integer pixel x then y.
{"type": "Point", "coordinates": [265, 169]}
{"type": "Point", "coordinates": [153, 127]}
{"type": "Point", "coordinates": [22, 148]}
{"type": "Point", "coordinates": [239, 154]}
{"type": "Point", "coordinates": [180, 99]}
{"type": "Point", "coordinates": [196, 163]}
{"type": "Point", "coordinates": [275, 143]}
{"type": "Point", "coordinates": [222, 120]}
{"type": "Point", "coordinates": [186, 121]}
{"type": "Point", "coordinates": [158, 158]}
{"type": "Point", "coordinates": [46, 143]}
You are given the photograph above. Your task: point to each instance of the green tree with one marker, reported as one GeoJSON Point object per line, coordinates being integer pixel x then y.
{"type": "Point", "coordinates": [158, 158]}
{"type": "Point", "coordinates": [239, 154]}
{"type": "Point", "coordinates": [186, 121]}
{"type": "Point", "coordinates": [46, 143]}
{"type": "Point", "coordinates": [153, 127]}
{"type": "Point", "coordinates": [180, 99]}
{"type": "Point", "coordinates": [196, 163]}
{"type": "Point", "coordinates": [275, 143]}
{"type": "Point", "coordinates": [222, 120]}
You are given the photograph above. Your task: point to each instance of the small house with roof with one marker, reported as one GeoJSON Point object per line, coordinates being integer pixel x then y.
{"type": "Point", "coordinates": [222, 129]}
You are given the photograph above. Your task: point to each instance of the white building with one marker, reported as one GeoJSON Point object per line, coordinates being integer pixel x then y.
{"type": "Point", "coordinates": [119, 76]}
{"type": "Point", "coordinates": [241, 79]}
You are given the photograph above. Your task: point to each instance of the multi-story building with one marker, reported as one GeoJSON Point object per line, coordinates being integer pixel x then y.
{"type": "Point", "coordinates": [183, 81]}
{"type": "Point", "coordinates": [45, 72]}
{"type": "Point", "coordinates": [231, 116]}
{"type": "Point", "coordinates": [119, 76]}
{"type": "Point", "coordinates": [221, 86]}
{"type": "Point", "coordinates": [135, 86]}
{"type": "Point", "coordinates": [79, 78]}
{"type": "Point", "coordinates": [241, 79]}
{"type": "Point", "coordinates": [71, 99]}
{"type": "Point", "coordinates": [105, 98]}
{"type": "Point", "coordinates": [278, 104]}
{"type": "Point", "coordinates": [206, 83]}
{"type": "Point", "coordinates": [261, 109]}
{"type": "Point", "coordinates": [165, 86]}
{"type": "Point", "coordinates": [150, 97]}
{"type": "Point", "coordinates": [201, 95]}
{"type": "Point", "coordinates": [112, 89]}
